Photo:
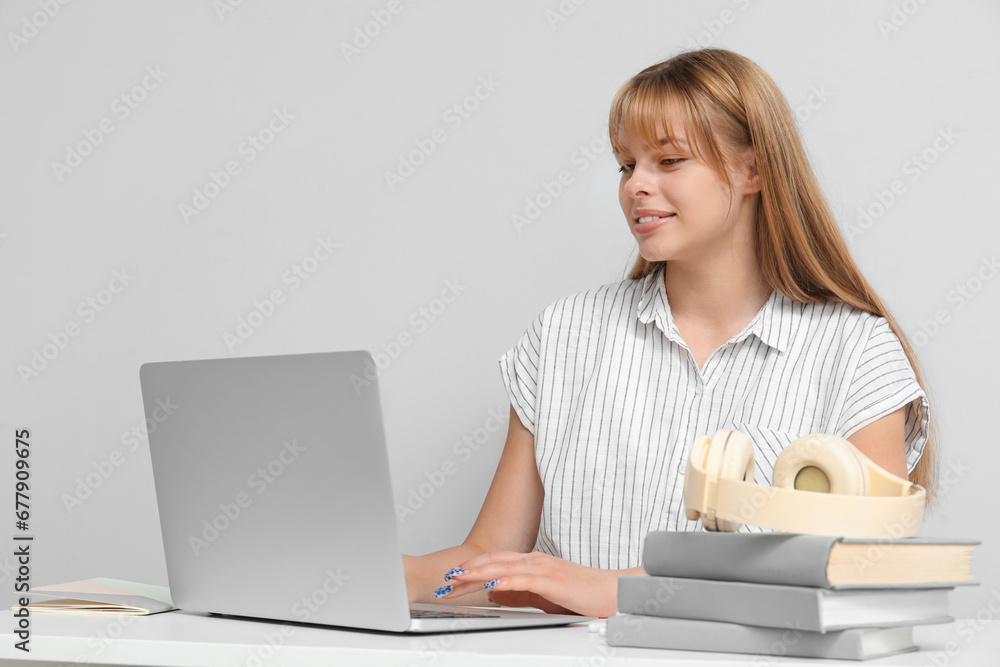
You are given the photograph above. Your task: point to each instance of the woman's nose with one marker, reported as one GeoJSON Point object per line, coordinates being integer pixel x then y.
{"type": "Point", "coordinates": [639, 184]}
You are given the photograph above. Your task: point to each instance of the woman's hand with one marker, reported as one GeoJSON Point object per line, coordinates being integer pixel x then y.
{"type": "Point", "coordinates": [538, 580]}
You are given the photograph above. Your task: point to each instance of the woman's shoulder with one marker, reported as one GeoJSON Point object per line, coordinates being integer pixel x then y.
{"type": "Point", "coordinates": [830, 314]}
{"type": "Point", "coordinates": [619, 294]}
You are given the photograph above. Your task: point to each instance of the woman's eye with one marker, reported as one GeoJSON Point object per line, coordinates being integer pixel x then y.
{"type": "Point", "coordinates": [666, 162]}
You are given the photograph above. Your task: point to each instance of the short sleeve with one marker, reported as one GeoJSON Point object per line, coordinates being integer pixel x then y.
{"type": "Point", "coordinates": [519, 367]}
{"type": "Point", "coordinates": [883, 382]}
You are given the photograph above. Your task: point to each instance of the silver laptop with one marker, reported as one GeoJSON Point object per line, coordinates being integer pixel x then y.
{"type": "Point", "coordinates": [272, 484]}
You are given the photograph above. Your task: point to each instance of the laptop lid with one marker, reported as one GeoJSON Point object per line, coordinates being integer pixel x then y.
{"type": "Point", "coordinates": [273, 489]}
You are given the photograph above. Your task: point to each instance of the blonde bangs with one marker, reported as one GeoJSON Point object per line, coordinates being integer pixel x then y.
{"type": "Point", "coordinates": [650, 110]}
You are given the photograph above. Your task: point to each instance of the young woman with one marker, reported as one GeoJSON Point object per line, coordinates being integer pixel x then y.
{"type": "Point", "coordinates": [744, 310]}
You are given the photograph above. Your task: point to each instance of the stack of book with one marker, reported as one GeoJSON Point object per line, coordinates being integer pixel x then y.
{"type": "Point", "coordinates": [787, 594]}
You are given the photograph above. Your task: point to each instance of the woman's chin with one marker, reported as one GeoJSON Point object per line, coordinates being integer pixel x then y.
{"type": "Point", "coordinates": [653, 255]}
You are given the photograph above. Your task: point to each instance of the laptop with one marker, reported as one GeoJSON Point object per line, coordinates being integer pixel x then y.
{"type": "Point", "coordinates": [274, 497]}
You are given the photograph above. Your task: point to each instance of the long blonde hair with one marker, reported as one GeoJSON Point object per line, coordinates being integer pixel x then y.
{"type": "Point", "coordinates": [728, 105]}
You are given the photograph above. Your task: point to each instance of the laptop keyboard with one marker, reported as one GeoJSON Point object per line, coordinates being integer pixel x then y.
{"type": "Point", "coordinates": [425, 613]}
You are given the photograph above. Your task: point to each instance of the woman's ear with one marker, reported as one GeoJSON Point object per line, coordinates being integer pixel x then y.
{"type": "Point", "coordinates": [752, 184]}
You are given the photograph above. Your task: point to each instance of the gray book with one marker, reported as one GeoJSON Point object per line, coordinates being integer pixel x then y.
{"type": "Point", "coordinates": [684, 634]}
{"type": "Point", "coordinates": [769, 605]}
{"type": "Point", "coordinates": [793, 559]}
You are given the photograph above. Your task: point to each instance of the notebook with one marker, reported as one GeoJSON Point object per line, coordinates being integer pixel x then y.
{"type": "Point", "coordinates": [100, 596]}
{"type": "Point", "coordinates": [274, 496]}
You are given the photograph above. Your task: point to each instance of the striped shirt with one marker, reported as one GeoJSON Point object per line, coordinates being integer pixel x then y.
{"type": "Point", "coordinates": [614, 399]}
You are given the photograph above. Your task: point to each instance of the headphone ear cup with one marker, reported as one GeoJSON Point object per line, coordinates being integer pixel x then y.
{"type": "Point", "coordinates": [732, 460]}
{"type": "Point", "coordinates": [837, 459]}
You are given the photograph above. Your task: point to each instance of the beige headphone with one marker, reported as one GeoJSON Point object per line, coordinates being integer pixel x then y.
{"type": "Point", "coordinates": [822, 485]}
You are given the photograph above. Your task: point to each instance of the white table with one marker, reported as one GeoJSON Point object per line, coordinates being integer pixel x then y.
{"type": "Point", "coordinates": [186, 639]}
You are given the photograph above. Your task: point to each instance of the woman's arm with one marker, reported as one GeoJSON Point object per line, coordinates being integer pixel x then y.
{"type": "Point", "coordinates": [884, 442]}
{"type": "Point", "coordinates": [508, 521]}
{"type": "Point", "coordinates": [499, 547]}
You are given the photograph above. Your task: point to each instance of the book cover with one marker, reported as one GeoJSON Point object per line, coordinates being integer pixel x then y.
{"type": "Point", "coordinates": [685, 634]}
{"type": "Point", "coordinates": [768, 605]}
{"type": "Point", "coordinates": [101, 595]}
{"type": "Point", "coordinates": [809, 560]}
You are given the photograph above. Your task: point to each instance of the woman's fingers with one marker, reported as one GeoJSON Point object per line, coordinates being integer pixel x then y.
{"type": "Point", "coordinates": [487, 576]}
{"type": "Point", "coordinates": [489, 570]}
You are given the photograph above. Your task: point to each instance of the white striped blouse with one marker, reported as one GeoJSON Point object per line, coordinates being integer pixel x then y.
{"type": "Point", "coordinates": [614, 399]}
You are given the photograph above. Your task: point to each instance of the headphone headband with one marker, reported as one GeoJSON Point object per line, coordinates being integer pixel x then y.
{"type": "Point", "coordinates": [715, 487]}
{"type": "Point", "coordinates": [821, 513]}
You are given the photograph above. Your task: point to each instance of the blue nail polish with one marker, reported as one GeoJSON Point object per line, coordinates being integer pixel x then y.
{"type": "Point", "coordinates": [491, 584]}
{"type": "Point", "coordinates": [454, 572]}
{"type": "Point", "coordinates": [444, 590]}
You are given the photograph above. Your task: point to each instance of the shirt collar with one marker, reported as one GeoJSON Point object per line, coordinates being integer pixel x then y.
{"type": "Point", "coordinates": [771, 324]}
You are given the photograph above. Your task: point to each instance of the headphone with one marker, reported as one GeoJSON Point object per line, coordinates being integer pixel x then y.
{"type": "Point", "coordinates": [822, 485]}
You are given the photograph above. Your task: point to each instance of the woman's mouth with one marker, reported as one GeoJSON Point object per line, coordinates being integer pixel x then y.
{"type": "Point", "coordinates": [648, 223]}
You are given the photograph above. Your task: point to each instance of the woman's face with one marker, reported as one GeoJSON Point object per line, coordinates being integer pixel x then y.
{"type": "Point", "coordinates": [678, 207]}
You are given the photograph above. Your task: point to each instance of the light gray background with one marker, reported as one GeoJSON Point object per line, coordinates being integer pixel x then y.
{"type": "Point", "coordinates": [868, 98]}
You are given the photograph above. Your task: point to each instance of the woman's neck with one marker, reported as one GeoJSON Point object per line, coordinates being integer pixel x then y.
{"type": "Point", "coordinates": [719, 296]}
